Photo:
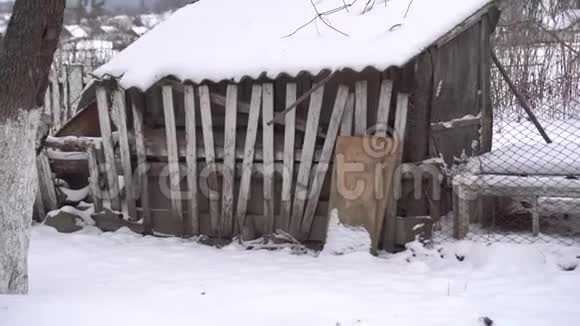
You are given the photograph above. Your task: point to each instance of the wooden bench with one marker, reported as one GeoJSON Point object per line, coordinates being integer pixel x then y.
{"type": "Point", "coordinates": [468, 191]}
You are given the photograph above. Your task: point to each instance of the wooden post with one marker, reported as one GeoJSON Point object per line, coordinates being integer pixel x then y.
{"type": "Point", "coordinates": [56, 108]}
{"type": "Point", "coordinates": [268, 155]}
{"type": "Point", "coordinates": [323, 164]}
{"type": "Point", "coordinates": [306, 158]}
{"type": "Point", "coordinates": [138, 108]}
{"type": "Point", "coordinates": [348, 117]}
{"type": "Point", "coordinates": [121, 109]}
{"type": "Point", "coordinates": [111, 167]}
{"type": "Point", "coordinates": [391, 212]}
{"type": "Point", "coordinates": [172, 152]}
{"type": "Point", "coordinates": [360, 116]}
{"type": "Point", "coordinates": [288, 171]}
{"type": "Point", "coordinates": [384, 108]}
{"type": "Point", "coordinates": [208, 143]}
{"type": "Point", "coordinates": [535, 217]}
{"type": "Point", "coordinates": [191, 157]}
{"type": "Point", "coordinates": [229, 160]}
{"type": "Point", "coordinates": [249, 149]}
{"type": "Point", "coordinates": [46, 182]}
{"type": "Point", "coordinates": [65, 96]}
{"type": "Point", "coordinates": [75, 84]}
{"type": "Point", "coordinates": [94, 187]}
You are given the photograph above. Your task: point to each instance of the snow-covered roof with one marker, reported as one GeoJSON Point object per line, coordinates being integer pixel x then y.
{"type": "Point", "coordinates": [231, 39]}
{"type": "Point", "coordinates": [139, 30]}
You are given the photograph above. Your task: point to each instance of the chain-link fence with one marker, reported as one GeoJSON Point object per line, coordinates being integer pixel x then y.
{"type": "Point", "coordinates": [527, 189]}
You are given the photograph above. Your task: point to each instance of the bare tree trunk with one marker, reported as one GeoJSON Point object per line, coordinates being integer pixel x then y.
{"type": "Point", "coordinates": [29, 45]}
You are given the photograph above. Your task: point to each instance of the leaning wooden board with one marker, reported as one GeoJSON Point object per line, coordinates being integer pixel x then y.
{"type": "Point", "coordinates": [362, 181]}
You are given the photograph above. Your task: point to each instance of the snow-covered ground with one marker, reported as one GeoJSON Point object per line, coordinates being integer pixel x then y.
{"type": "Point", "coordinates": [93, 278]}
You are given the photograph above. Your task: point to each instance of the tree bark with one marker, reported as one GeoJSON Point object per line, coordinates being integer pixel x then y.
{"type": "Point", "coordinates": [29, 45]}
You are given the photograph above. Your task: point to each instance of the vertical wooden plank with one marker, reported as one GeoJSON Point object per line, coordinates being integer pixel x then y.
{"type": "Point", "coordinates": [535, 217]}
{"type": "Point", "coordinates": [94, 186]}
{"type": "Point", "coordinates": [106, 135]}
{"type": "Point", "coordinates": [121, 108]}
{"type": "Point", "coordinates": [251, 134]}
{"type": "Point", "coordinates": [138, 108]}
{"type": "Point", "coordinates": [65, 96]}
{"type": "Point", "coordinates": [325, 157]}
{"type": "Point", "coordinates": [268, 150]}
{"type": "Point", "coordinates": [229, 160]}
{"type": "Point", "coordinates": [47, 103]}
{"type": "Point", "coordinates": [75, 85]}
{"type": "Point", "coordinates": [56, 107]}
{"type": "Point", "coordinates": [306, 161]}
{"type": "Point", "coordinates": [207, 130]}
{"type": "Point", "coordinates": [360, 116]}
{"type": "Point", "coordinates": [46, 182]}
{"type": "Point", "coordinates": [288, 172]}
{"type": "Point", "coordinates": [485, 86]}
{"type": "Point", "coordinates": [172, 152]}
{"type": "Point", "coordinates": [348, 117]}
{"type": "Point", "coordinates": [39, 210]}
{"type": "Point", "coordinates": [399, 133]}
{"type": "Point", "coordinates": [191, 158]}
{"type": "Point", "coordinates": [383, 108]}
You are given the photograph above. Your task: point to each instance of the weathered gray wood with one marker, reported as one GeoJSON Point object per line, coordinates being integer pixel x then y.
{"type": "Point", "coordinates": [110, 166]}
{"type": "Point", "coordinates": [465, 25]}
{"type": "Point", "coordinates": [288, 172]}
{"type": "Point", "coordinates": [280, 115]}
{"type": "Point", "coordinates": [172, 155]}
{"type": "Point", "coordinates": [66, 114]}
{"type": "Point", "coordinates": [485, 87]}
{"type": "Point", "coordinates": [268, 148]}
{"type": "Point", "coordinates": [121, 109]}
{"type": "Point", "coordinates": [348, 117]}
{"type": "Point", "coordinates": [306, 161]}
{"type": "Point", "coordinates": [251, 134]}
{"type": "Point", "coordinates": [384, 108]}
{"type": "Point", "coordinates": [463, 204]}
{"type": "Point", "coordinates": [207, 130]}
{"type": "Point", "coordinates": [191, 158]}
{"type": "Point", "coordinates": [94, 185]}
{"type": "Point", "coordinates": [360, 115]}
{"type": "Point", "coordinates": [56, 107]}
{"type": "Point", "coordinates": [75, 84]}
{"type": "Point", "coordinates": [535, 217]}
{"type": "Point", "coordinates": [46, 182]}
{"type": "Point", "coordinates": [399, 133]}
{"type": "Point", "coordinates": [138, 107]}
{"type": "Point", "coordinates": [228, 172]}
{"type": "Point", "coordinates": [323, 165]}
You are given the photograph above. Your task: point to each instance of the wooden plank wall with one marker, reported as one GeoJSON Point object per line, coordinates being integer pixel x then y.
{"type": "Point", "coordinates": [224, 156]}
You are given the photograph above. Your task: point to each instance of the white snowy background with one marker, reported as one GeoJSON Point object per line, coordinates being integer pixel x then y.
{"type": "Point", "coordinates": [94, 278]}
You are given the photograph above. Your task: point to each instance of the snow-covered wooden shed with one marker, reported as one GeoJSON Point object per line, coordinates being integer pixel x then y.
{"type": "Point", "coordinates": [202, 87]}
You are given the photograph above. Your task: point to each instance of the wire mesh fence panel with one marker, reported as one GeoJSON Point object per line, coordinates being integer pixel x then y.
{"type": "Point", "coordinates": [527, 188]}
